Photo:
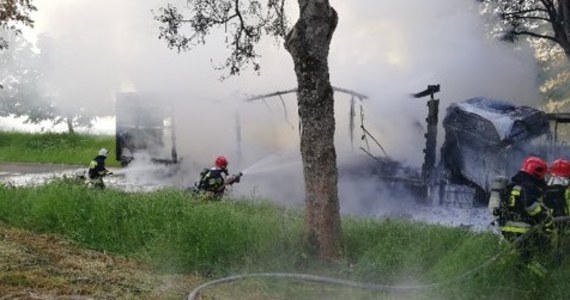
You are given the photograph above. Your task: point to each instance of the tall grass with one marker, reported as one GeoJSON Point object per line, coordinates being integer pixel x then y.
{"type": "Point", "coordinates": [177, 233]}
{"type": "Point", "coordinates": [59, 148]}
{"type": "Point", "coordinates": [167, 227]}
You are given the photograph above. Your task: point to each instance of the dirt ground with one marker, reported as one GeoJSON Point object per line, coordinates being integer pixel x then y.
{"type": "Point", "coordinates": [36, 266]}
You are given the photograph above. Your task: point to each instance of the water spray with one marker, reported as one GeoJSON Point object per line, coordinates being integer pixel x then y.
{"type": "Point", "coordinates": [118, 173]}
{"type": "Point", "coordinates": [270, 163]}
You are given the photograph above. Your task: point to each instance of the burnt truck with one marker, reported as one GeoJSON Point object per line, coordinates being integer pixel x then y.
{"type": "Point", "coordinates": [486, 138]}
{"type": "Point", "coordinates": [483, 138]}
{"type": "Point", "coordinates": [145, 128]}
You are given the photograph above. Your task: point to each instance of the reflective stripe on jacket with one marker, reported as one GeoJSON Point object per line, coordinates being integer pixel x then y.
{"type": "Point", "coordinates": [524, 207]}
{"type": "Point", "coordinates": [516, 227]}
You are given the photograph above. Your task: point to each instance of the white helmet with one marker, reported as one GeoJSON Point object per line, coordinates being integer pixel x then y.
{"type": "Point", "coordinates": [103, 152]}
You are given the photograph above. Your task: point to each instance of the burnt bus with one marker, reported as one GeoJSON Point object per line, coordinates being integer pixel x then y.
{"type": "Point", "coordinates": [144, 129]}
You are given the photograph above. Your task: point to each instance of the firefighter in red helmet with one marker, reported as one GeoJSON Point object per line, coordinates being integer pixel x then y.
{"type": "Point", "coordinates": [523, 208]}
{"type": "Point", "coordinates": [213, 181]}
{"type": "Point", "coordinates": [557, 199]}
{"type": "Point", "coordinates": [557, 195]}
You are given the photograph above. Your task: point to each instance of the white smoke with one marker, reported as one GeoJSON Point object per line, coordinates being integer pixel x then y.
{"type": "Point", "coordinates": [385, 49]}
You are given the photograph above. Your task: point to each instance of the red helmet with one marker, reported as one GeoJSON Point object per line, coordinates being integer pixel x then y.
{"type": "Point", "coordinates": [561, 167]}
{"type": "Point", "coordinates": [221, 162]}
{"type": "Point", "coordinates": [535, 166]}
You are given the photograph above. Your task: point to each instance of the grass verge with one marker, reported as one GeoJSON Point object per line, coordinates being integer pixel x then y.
{"type": "Point", "coordinates": [56, 148]}
{"type": "Point", "coordinates": [176, 234]}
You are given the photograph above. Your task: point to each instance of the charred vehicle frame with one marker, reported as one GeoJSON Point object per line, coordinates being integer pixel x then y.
{"type": "Point", "coordinates": [145, 125]}
{"type": "Point", "coordinates": [484, 138]}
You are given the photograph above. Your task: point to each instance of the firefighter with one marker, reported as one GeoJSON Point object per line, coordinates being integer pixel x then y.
{"type": "Point", "coordinates": [523, 209]}
{"type": "Point", "coordinates": [557, 199]}
{"type": "Point", "coordinates": [557, 196]}
{"type": "Point", "coordinates": [213, 181]}
{"type": "Point", "coordinates": [97, 169]}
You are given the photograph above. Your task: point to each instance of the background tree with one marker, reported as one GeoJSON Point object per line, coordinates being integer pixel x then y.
{"type": "Point", "coordinates": [14, 13]}
{"type": "Point", "coordinates": [22, 73]}
{"type": "Point", "coordinates": [545, 24]}
{"type": "Point", "coordinates": [308, 42]}
{"type": "Point", "coordinates": [73, 102]}
{"type": "Point", "coordinates": [21, 96]}
{"type": "Point", "coordinates": [27, 89]}
{"type": "Point", "coordinates": [537, 19]}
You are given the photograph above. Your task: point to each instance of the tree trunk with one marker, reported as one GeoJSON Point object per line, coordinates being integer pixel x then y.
{"type": "Point", "coordinates": [562, 31]}
{"type": "Point", "coordinates": [308, 43]}
{"type": "Point", "coordinates": [69, 120]}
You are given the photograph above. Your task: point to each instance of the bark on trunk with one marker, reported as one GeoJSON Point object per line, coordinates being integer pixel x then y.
{"type": "Point", "coordinates": [308, 43]}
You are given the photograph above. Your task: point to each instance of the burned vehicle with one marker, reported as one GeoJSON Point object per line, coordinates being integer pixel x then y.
{"type": "Point", "coordinates": [389, 177]}
{"type": "Point", "coordinates": [485, 138]}
{"type": "Point", "coordinates": [144, 128]}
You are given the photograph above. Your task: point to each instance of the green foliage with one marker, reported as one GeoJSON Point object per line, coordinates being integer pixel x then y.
{"type": "Point", "coordinates": [377, 247]}
{"type": "Point", "coordinates": [176, 233]}
{"type": "Point", "coordinates": [168, 228]}
{"type": "Point", "coordinates": [59, 148]}
{"type": "Point", "coordinates": [217, 237]}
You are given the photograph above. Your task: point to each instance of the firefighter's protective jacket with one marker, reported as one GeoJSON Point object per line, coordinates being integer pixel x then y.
{"type": "Point", "coordinates": [557, 196]}
{"type": "Point", "coordinates": [524, 207]}
{"type": "Point", "coordinates": [97, 167]}
{"type": "Point", "coordinates": [212, 181]}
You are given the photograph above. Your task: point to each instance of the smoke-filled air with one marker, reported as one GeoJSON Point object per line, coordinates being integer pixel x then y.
{"type": "Point", "coordinates": [383, 49]}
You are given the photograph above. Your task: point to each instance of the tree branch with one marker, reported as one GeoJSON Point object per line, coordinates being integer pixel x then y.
{"type": "Point", "coordinates": [525, 11]}
{"type": "Point", "coordinates": [515, 17]}
{"type": "Point", "coordinates": [248, 21]}
{"type": "Point", "coordinates": [14, 12]}
{"type": "Point", "coordinates": [279, 93]}
{"type": "Point", "coordinates": [534, 34]}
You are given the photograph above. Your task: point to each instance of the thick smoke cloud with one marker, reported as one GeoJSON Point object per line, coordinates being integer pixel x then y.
{"type": "Point", "coordinates": [385, 49]}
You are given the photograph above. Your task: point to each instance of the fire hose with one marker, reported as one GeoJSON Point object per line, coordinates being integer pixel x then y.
{"type": "Point", "coordinates": [372, 286]}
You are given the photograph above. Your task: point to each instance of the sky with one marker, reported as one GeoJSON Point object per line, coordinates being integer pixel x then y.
{"type": "Point", "coordinates": [385, 49]}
